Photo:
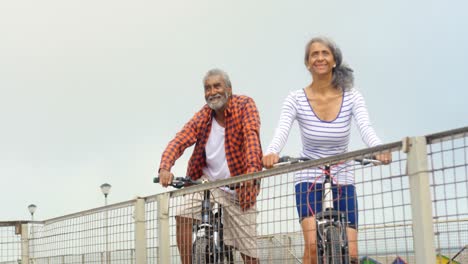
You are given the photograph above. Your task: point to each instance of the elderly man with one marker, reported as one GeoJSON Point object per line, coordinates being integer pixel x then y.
{"type": "Point", "coordinates": [227, 144]}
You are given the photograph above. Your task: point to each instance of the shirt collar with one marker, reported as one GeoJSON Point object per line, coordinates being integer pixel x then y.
{"type": "Point", "coordinates": [229, 106]}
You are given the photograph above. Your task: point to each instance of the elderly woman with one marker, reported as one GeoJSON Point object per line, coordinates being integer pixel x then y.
{"type": "Point", "coordinates": [323, 111]}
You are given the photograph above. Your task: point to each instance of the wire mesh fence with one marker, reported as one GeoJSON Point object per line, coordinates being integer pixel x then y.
{"type": "Point", "coordinates": [380, 217]}
{"type": "Point", "coordinates": [448, 159]}
{"type": "Point", "coordinates": [10, 242]}
{"type": "Point", "coordinates": [104, 235]}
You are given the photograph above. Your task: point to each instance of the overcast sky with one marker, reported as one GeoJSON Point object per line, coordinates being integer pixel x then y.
{"type": "Point", "coordinates": [93, 90]}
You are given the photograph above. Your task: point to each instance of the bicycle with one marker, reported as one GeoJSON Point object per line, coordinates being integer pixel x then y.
{"type": "Point", "coordinates": [207, 234]}
{"type": "Point", "coordinates": [332, 240]}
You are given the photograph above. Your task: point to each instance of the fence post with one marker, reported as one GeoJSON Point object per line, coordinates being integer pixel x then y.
{"type": "Point", "coordinates": [421, 203]}
{"type": "Point", "coordinates": [25, 243]}
{"type": "Point", "coordinates": [270, 257]}
{"type": "Point", "coordinates": [140, 231]}
{"type": "Point", "coordinates": [285, 243]}
{"type": "Point", "coordinates": [163, 228]}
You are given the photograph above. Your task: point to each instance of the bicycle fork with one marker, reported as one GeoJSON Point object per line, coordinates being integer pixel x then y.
{"type": "Point", "coordinates": [332, 241]}
{"type": "Point", "coordinates": [210, 231]}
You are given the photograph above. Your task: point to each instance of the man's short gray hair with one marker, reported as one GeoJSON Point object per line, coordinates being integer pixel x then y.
{"type": "Point", "coordinates": [219, 72]}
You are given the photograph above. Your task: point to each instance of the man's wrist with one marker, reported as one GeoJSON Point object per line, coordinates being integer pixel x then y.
{"type": "Point", "coordinates": [163, 169]}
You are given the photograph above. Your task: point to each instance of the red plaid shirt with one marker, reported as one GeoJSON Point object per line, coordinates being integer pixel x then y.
{"type": "Point", "coordinates": [242, 143]}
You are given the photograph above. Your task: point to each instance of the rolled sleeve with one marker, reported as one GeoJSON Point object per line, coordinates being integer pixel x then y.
{"type": "Point", "coordinates": [251, 131]}
{"type": "Point", "coordinates": [176, 147]}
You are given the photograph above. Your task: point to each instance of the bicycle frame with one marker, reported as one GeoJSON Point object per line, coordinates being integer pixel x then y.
{"type": "Point", "coordinates": [331, 225]}
{"type": "Point", "coordinates": [332, 240]}
{"type": "Point", "coordinates": [207, 235]}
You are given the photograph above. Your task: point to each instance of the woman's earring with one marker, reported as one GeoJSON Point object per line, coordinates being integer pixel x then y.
{"type": "Point", "coordinates": [334, 66]}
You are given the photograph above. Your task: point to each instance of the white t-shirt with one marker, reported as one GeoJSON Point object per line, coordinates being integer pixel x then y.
{"type": "Point", "coordinates": [216, 163]}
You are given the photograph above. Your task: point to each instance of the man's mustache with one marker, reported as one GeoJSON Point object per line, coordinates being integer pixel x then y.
{"type": "Point", "coordinates": [218, 96]}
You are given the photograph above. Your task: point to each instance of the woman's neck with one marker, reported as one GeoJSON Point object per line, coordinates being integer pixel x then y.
{"type": "Point", "coordinates": [321, 83]}
{"type": "Point", "coordinates": [321, 86]}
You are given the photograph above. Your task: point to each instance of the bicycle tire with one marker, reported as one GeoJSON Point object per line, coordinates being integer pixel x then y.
{"type": "Point", "coordinates": [333, 253]}
{"type": "Point", "coordinates": [200, 254]}
{"type": "Point", "coordinates": [228, 255]}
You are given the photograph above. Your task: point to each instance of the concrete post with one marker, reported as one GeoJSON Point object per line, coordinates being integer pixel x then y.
{"type": "Point", "coordinates": [163, 228]}
{"type": "Point", "coordinates": [140, 231]}
{"type": "Point", "coordinates": [25, 243]}
{"type": "Point", "coordinates": [421, 204]}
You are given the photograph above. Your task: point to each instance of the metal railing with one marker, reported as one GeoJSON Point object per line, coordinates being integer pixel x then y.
{"type": "Point", "coordinates": [415, 208]}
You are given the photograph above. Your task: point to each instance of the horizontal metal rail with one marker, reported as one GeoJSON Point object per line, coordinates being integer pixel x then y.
{"type": "Point", "coordinates": [108, 234]}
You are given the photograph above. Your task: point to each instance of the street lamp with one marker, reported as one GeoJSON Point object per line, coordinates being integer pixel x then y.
{"type": "Point", "coordinates": [32, 209]}
{"type": "Point", "coordinates": [105, 188]}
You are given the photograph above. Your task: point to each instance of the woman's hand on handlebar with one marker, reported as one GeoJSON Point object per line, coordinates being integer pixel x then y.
{"type": "Point", "coordinates": [269, 160]}
{"type": "Point", "coordinates": [165, 177]}
{"type": "Point", "coordinates": [384, 157]}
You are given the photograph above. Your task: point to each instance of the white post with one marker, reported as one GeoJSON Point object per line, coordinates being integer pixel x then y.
{"type": "Point", "coordinates": [140, 231]}
{"type": "Point", "coordinates": [31, 239]}
{"type": "Point", "coordinates": [24, 243]}
{"type": "Point", "coordinates": [107, 230]}
{"type": "Point", "coordinates": [270, 257]}
{"type": "Point", "coordinates": [421, 204]}
{"type": "Point", "coordinates": [163, 228]}
{"type": "Point", "coordinates": [105, 189]}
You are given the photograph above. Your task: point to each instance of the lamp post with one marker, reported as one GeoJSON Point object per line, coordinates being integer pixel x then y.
{"type": "Point", "coordinates": [32, 209]}
{"type": "Point", "coordinates": [105, 188]}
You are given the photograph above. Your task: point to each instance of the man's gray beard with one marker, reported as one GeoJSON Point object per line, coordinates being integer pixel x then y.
{"type": "Point", "coordinates": [220, 104]}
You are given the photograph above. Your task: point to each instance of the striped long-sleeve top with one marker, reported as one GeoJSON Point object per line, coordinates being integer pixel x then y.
{"type": "Point", "coordinates": [320, 138]}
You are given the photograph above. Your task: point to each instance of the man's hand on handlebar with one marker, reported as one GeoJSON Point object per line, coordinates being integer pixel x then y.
{"type": "Point", "coordinates": [165, 177]}
{"type": "Point", "coordinates": [269, 160]}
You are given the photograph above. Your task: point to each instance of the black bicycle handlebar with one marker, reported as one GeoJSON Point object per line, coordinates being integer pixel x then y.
{"type": "Point", "coordinates": [369, 160]}
{"type": "Point", "coordinates": [286, 160]}
{"type": "Point", "coordinates": [179, 182]}
{"type": "Point", "coordinates": [291, 159]}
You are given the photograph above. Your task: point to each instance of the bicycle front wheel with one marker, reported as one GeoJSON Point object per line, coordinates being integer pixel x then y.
{"type": "Point", "coordinates": [201, 249]}
{"type": "Point", "coordinates": [333, 248]}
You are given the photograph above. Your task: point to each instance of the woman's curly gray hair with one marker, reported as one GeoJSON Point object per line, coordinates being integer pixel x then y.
{"type": "Point", "coordinates": [343, 77]}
